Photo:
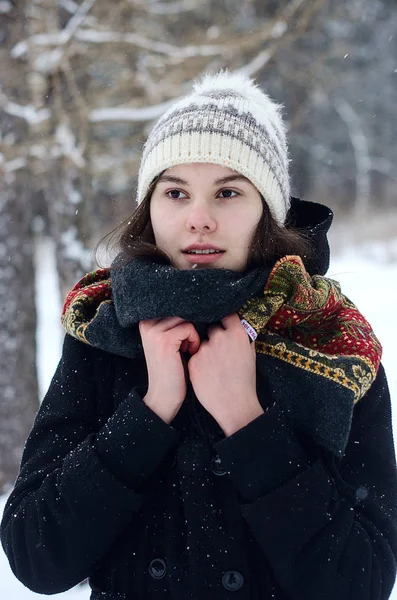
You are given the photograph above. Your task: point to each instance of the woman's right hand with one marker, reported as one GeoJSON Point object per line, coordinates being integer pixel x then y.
{"type": "Point", "coordinates": [163, 340]}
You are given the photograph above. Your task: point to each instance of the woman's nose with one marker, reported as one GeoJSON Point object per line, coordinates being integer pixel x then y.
{"type": "Point", "coordinates": [200, 218]}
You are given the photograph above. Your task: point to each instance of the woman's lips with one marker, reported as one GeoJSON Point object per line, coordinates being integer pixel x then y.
{"type": "Point", "coordinates": [203, 258]}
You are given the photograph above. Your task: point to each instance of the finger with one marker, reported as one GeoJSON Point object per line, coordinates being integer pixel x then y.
{"type": "Point", "coordinates": [170, 322]}
{"type": "Point", "coordinates": [145, 325]}
{"type": "Point", "coordinates": [193, 341]}
{"type": "Point", "coordinates": [163, 323]}
{"type": "Point", "coordinates": [185, 335]}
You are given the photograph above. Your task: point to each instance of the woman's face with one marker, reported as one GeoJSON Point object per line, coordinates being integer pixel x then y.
{"type": "Point", "coordinates": [205, 204]}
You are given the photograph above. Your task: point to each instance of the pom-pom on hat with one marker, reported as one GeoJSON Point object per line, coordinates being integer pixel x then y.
{"type": "Point", "coordinates": [226, 120]}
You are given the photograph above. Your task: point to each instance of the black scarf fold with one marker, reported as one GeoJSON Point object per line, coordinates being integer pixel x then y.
{"type": "Point", "coordinates": [144, 290]}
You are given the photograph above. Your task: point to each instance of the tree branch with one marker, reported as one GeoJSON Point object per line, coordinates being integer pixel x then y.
{"type": "Point", "coordinates": [69, 5]}
{"type": "Point", "coordinates": [27, 112]}
{"type": "Point", "coordinates": [78, 18]}
{"type": "Point", "coordinates": [171, 8]}
{"type": "Point", "coordinates": [98, 115]}
{"type": "Point", "coordinates": [246, 42]}
{"type": "Point", "coordinates": [49, 61]}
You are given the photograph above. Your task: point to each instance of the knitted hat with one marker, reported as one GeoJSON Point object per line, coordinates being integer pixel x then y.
{"type": "Point", "coordinates": [226, 120]}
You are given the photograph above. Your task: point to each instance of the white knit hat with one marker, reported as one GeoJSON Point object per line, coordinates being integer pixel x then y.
{"type": "Point", "coordinates": [226, 120]}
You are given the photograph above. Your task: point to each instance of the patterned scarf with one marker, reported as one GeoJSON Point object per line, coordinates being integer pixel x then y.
{"type": "Point", "coordinates": [300, 319]}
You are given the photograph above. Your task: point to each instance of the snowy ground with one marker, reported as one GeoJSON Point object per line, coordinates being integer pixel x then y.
{"type": "Point", "coordinates": [370, 282]}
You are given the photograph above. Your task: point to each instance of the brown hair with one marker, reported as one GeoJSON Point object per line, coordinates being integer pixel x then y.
{"type": "Point", "coordinates": [134, 238]}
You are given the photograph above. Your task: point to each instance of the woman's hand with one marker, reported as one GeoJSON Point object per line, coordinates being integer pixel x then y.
{"type": "Point", "coordinates": [223, 375]}
{"type": "Point", "coordinates": [162, 340]}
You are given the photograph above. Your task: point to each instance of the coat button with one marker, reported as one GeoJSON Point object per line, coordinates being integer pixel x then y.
{"type": "Point", "coordinates": [157, 568]}
{"type": "Point", "coordinates": [361, 493]}
{"type": "Point", "coordinates": [216, 466]}
{"type": "Point", "coordinates": [232, 581]}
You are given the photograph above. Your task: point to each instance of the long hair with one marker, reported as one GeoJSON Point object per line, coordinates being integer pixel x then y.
{"type": "Point", "coordinates": [134, 238]}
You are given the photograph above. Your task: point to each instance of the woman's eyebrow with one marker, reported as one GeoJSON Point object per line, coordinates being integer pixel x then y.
{"type": "Point", "coordinates": [230, 178]}
{"type": "Point", "coordinates": [172, 179]}
{"type": "Point", "coordinates": [222, 181]}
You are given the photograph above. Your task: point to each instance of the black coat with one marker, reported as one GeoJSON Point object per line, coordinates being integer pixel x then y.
{"type": "Point", "coordinates": [109, 491]}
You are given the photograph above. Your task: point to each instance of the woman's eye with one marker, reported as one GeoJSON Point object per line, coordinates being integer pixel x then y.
{"type": "Point", "coordinates": [174, 194]}
{"type": "Point", "coordinates": [179, 195]}
{"type": "Point", "coordinates": [228, 193]}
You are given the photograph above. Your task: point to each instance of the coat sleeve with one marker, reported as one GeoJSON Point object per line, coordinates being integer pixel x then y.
{"type": "Point", "coordinates": [78, 487]}
{"type": "Point", "coordinates": [327, 525]}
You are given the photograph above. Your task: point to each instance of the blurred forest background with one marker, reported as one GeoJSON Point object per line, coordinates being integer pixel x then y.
{"type": "Point", "coordinates": [80, 85]}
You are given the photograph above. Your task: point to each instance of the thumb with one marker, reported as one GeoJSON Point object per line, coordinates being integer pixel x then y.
{"type": "Point", "coordinates": [193, 342]}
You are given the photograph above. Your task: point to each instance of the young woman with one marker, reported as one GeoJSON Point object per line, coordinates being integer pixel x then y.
{"type": "Point", "coordinates": [219, 423]}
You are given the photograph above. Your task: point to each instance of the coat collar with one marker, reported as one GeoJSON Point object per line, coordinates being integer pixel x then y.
{"type": "Point", "coordinates": [314, 219]}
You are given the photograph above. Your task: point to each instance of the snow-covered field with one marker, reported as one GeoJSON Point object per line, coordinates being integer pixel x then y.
{"type": "Point", "coordinates": [371, 283]}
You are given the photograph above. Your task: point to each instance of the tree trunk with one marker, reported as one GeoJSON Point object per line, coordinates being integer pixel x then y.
{"type": "Point", "coordinates": [69, 200]}
{"type": "Point", "coordinates": [18, 379]}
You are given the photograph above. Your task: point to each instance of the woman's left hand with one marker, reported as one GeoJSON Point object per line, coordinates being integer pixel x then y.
{"type": "Point", "coordinates": [223, 375]}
